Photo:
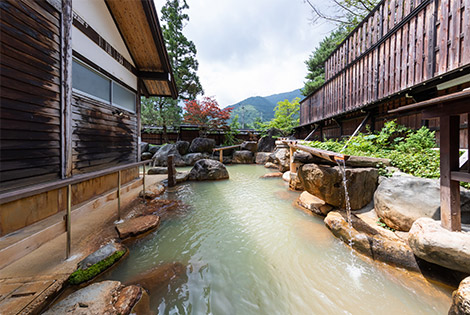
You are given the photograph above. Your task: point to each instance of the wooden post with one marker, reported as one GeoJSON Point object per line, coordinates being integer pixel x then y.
{"type": "Point", "coordinates": [143, 184]}
{"type": "Point", "coordinates": [293, 166]}
{"type": "Point", "coordinates": [69, 222]}
{"type": "Point", "coordinates": [221, 156]}
{"type": "Point", "coordinates": [450, 189]}
{"type": "Point", "coordinates": [171, 171]}
{"type": "Point", "coordinates": [119, 195]}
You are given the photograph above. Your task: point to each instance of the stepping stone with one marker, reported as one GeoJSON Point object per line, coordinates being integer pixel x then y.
{"type": "Point", "coordinates": [136, 226]}
{"type": "Point", "coordinates": [272, 175]}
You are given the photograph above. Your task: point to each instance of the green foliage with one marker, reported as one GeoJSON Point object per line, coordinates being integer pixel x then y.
{"type": "Point", "coordinates": [165, 111]}
{"type": "Point", "coordinates": [83, 275]}
{"type": "Point", "coordinates": [232, 132]}
{"type": "Point", "coordinates": [286, 116]}
{"type": "Point", "coordinates": [409, 150]}
{"type": "Point", "coordinates": [384, 225]}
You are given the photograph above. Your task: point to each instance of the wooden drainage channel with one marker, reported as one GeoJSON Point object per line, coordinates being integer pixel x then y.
{"type": "Point", "coordinates": [324, 154]}
{"type": "Point", "coordinates": [68, 182]}
{"type": "Point", "coordinates": [221, 151]}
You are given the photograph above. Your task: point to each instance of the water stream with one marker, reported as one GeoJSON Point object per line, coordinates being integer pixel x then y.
{"type": "Point", "coordinates": [248, 250]}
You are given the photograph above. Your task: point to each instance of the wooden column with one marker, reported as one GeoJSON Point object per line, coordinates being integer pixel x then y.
{"type": "Point", "coordinates": [66, 88]}
{"type": "Point", "coordinates": [293, 166]}
{"type": "Point", "coordinates": [450, 189]}
{"type": "Point", "coordinates": [171, 171]}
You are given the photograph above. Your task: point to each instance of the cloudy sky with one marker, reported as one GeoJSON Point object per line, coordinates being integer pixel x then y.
{"type": "Point", "coordinates": [251, 47]}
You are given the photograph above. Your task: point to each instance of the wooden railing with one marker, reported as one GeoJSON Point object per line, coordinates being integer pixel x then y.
{"type": "Point", "coordinates": [399, 45]}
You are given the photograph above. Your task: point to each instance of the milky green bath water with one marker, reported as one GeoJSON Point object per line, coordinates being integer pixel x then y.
{"type": "Point", "coordinates": [248, 250]}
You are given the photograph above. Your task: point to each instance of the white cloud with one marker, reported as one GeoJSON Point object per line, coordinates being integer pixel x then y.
{"type": "Point", "coordinates": [251, 47]}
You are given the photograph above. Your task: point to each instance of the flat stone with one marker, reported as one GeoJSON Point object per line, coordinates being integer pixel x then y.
{"type": "Point", "coordinates": [461, 299]}
{"type": "Point", "coordinates": [272, 175]}
{"type": "Point", "coordinates": [97, 298]}
{"type": "Point", "coordinates": [157, 170]}
{"type": "Point", "coordinates": [136, 226]}
{"type": "Point", "coordinates": [313, 203]}
{"type": "Point", "coordinates": [101, 254]}
{"type": "Point", "coordinates": [182, 176]}
{"type": "Point", "coordinates": [152, 192]}
{"type": "Point", "coordinates": [271, 165]}
{"type": "Point", "coordinates": [431, 242]}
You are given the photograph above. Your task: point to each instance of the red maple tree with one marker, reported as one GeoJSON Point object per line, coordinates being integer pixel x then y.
{"type": "Point", "coordinates": [206, 114]}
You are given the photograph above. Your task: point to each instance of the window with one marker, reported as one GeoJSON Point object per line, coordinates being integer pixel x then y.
{"type": "Point", "coordinates": [95, 85]}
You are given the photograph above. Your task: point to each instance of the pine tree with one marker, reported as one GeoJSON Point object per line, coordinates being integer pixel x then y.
{"type": "Point", "coordinates": [164, 111]}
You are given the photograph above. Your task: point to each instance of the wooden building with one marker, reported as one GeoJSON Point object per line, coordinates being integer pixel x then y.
{"type": "Point", "coordinates": [72, 74]}
{"type": "Point", "coordinates": [403, 52]}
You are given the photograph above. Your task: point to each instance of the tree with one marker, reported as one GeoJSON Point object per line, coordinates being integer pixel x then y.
{"type": "Point", "coordinates": [182, 55]}
{"type": "Point", "coordinates": [286, 116]}
{"type": "Point", "coordinates": [348, 14]}
{"type": "Point", "coordinates": [206, 114]}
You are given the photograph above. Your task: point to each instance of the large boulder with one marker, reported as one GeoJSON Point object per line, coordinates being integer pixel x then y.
{"type": "Point", "coordinates": [207, 169]}
{"type": "Point", "coordinates": [161, 157]}
{"type": "Point", "coordinates": [144, 147]}
{"type": "Point", "coordinates": [182, 147]}
{"type": "Point", "coordinates": [435, 244]}
{"type": "Point", "coordinates": [243, 157]}
{"type": "Point", "coordinates": [250, 146]}
{"type": "Point", "coordinates": [263, 157]}
{"type": "Point", "coordinates": [401, 200]}
{"type": "Point", "coordinates": [202, 145]}
{"type": "Point", "coordinates": [192, 158]}
{"type": "Point", "coordinates": [313, 203]}
{"type": "Point", "coordinates": [154, 148]}
{"type": "Point", "coordinates": [146, 156]}
{"type": "Point", "coordinates": [461, 299]}
{"type": "Point", "coordinates": [368, 238]}
{"type": "Point", "coordinates": [268, 142]}
{"type": "Point", "coordinates": [326, 182]}
{"type": "Point", "coordinates": [281, 158]}
{"type": "Point", "coordinates": [106, 297]}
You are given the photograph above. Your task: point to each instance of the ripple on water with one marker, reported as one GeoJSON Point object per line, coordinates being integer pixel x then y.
{"type": "Point", "coordinates": [250, 251]}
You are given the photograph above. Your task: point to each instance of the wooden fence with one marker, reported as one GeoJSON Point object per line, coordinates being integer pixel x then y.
{"type": "Point", "coordinates": [401, 44]}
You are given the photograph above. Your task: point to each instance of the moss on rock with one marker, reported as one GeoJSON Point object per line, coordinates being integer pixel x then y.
{"type": "Point", "coordinates": [83, 275]}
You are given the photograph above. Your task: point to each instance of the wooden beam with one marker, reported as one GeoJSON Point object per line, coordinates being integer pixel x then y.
{"type": "Point", "coordinates": [460, 176]}
{"type": "Point", "coordinates": [152, 75]}
{"type": "Point", "coordinates": [449, 160]}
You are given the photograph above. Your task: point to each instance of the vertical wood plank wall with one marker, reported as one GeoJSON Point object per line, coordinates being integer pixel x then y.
{"type": "Point", "coordinates": [30, 84]}
{"type": "Point", "coordinates": [400, 45]}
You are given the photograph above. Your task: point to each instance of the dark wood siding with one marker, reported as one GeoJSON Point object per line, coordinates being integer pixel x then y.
{"type": "Point", "coordinates": [30, 93]}
{"type": "Point", "coordinates": [102, 137]}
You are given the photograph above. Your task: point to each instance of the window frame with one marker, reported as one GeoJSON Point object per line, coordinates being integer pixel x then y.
{"type": "Point", "coordinates": [111, 81]}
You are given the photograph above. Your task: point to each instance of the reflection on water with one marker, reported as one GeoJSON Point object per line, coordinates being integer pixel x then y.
{"type": "Point", "coordinates": [247, 250]}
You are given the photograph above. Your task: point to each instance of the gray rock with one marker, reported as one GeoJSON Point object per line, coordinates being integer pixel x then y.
{"type": "Point", "coordinates": [226, 159]}
{"type": "Point", "coordinates": [243, 157]}
{"type": "Point", "coordinates": [182, 176]}
{"type": "Point", "coordinates": [400, 200]}
{"type": "Point", "coordinates": [281, 157]}
{"type": "Point", "coordinates": [157, 170]}
{"type": "Point", "coordinates": [144, 147]}
{"type": "Point", "coordinates": [154, 148]}
{"type": "Point", "coordinates": [267, 143]}
{"type": "Point", "coordinates": [101, 254]}
{"type": "Point", "coordinates": [146, 156]}
{"type": "Point", "coordinates": [106, 297]}
{"type": "Point", "coordinates": [182, 147]}
{"type": "Point", "coordinates": [435, 244]}
{"type": "Point", "coordinates": [308, 158]}
{"type": "Point", "coordinates": [161, 157]}
{"type": "Point", "coordinates": [250, 146]}
{"type": "Point", "coordinates": [208, 170]}
{"type": "Point", "coordinates": [263, 157]}
{"type": "Point", "coordinates": [271, 165]}
{"type": "Point", "coordinates": [326, 182]}
{"type": "Point", "coordinates": [201, 145]}
{"type": "Point", "coordinates": [192, 158]}
{"type": "Point", "coordinates": [371, 240]}
{"type": "Point", "coordinates": [461, 299]}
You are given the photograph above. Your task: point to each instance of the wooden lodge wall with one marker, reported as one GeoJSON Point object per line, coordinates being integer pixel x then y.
{"type": "Point", "coordinates": [103, 136]}
{"type": "Point", "coordinates": [30, 85]}
{"type": "Point", "coordinates": [402, 47]}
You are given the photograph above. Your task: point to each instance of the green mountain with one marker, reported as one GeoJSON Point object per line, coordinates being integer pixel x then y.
{"type": "Point", "coordinates": [259, 107]}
